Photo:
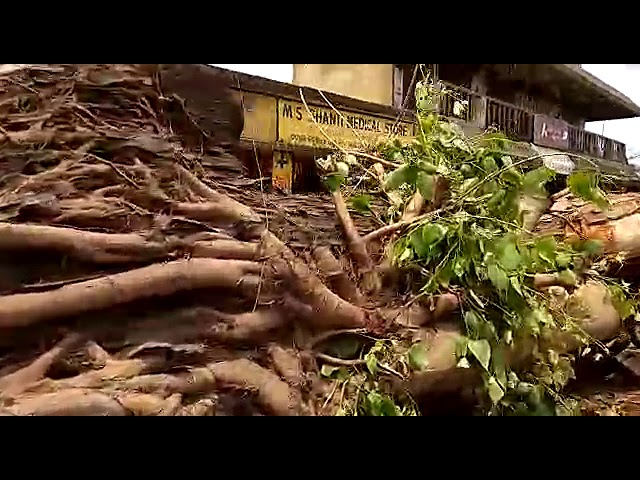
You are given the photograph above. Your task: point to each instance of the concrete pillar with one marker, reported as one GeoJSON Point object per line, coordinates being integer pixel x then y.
{"type": "Point", "coordinates": [479, 102]}
{"type": "Point", "coordinates": [368, 82]}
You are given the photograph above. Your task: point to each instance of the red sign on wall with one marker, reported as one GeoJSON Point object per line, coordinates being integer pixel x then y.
{"type": "Point", "coordinates": [551, 132]}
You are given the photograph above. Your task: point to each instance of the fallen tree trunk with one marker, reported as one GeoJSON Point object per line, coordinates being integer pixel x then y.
{"type": "Point", "coordinates": [616, 227]}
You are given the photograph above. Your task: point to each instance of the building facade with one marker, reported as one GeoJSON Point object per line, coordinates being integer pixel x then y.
{"type": "Point", "coordinates": [543, 104]}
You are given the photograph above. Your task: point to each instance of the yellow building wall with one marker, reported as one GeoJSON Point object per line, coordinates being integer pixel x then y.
{"type": "Point", "coordinates": [369, 82]}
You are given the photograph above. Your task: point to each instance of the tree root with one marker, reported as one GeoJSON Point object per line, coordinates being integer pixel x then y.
{"type": "Point", "coordinates": [220, 211]}
{"type": "Point", "coordinates": [72, 402]}
{"type": "Point", "coordinates": [123, 391]}
{"type": "Point", "coordinates": [155, 280]}
{"type": "Point", "coordinates": [331, 311]}
{"type": "Point", "coordinates": [288, 365]}
{"type": "Point", "coordinates": [113, 371]}
{"type": "Point", "coordinates": [546, 280]}
{"type": "Point", "coordinates": [247, 328]}
{"type": "Point", "coordinates": [340, 362]}
{"type": "Point", "coordinates": [338, 279]}
{"type": "Point", "coordinates": [274, 394]}
{"type": "Point", "coordinates": [357, 247]}
{"type": "Point", "coordinates": [202, 408]}
{"type": "Point", "coordinates": [19, 381]}
{"type": "Point", "coordinates": [194, 382]}
{"type": "Point", "coordinates": [225, 250]}
{"type": "Point", "coordinates": [87, 246]}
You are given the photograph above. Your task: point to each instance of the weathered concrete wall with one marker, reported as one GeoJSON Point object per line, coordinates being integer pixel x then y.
{"type": "Point", "coordinates": [369, 82]}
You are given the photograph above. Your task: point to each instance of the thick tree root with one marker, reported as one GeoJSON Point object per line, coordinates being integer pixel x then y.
{"type": "Point", "coordinates": [274, 394]}
{"type": "Point", "coordinates": [71, 402]}
{"type": "Point", "coordinates": [87, 246]}
{"type": "Point", "coordinates": [331, 310]}
{"type": "Point", "coordinates": [17, 382]}
{"type": "Point", "coordinates": [156, 280]}
{"type": "Point", "coordinates": [248, 328]}
{"type": "Point", "coordinates": [336, 276]}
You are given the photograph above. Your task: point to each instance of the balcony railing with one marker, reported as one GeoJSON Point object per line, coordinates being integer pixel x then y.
{"type": "Point", "coordinates": [582, 141]}
{"type": "Point", "coordinates": [454, 94]}
{"type": "Point", "coordinates": [515, 122]}
{"type": "Point", "coordinates": [519, 124]}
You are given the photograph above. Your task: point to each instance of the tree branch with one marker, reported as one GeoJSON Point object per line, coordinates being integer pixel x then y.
{"type": "Point", "coordinates": [357, 247]}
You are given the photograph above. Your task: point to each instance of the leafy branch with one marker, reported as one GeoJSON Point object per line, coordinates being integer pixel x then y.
{"type": "Point", "coordinates": [477, 245]}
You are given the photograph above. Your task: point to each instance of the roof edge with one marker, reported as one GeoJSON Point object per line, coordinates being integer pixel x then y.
{"type": "Point", "coordinates": [607, 90]}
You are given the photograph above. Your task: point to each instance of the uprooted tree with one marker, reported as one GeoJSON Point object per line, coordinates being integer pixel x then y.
{"type": "Point", "coordinates": [142, 275]}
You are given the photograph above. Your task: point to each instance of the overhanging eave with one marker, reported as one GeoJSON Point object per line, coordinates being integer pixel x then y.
{"type": "Point", "coordinates": [596, 99]}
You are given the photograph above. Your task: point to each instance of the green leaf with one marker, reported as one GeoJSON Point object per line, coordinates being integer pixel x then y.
{"type": "Point", "coordinates": [623, 305]}
{"type": "Point", "coordinates": [328, 370]}
{"type": "Point", "coordinates": [466, 170]}
{"type": "Point", "coordinates": [397, 156]}
{"type": "Point", "coordinates": [534, 181]}
{"type": "Point", "coordinates": [494, 390]}
{"type": "Point", "coordinates": [489, 165]}
{"type": "Point", "coordinates": [469, 184]}
{"type": "Point", "coordinates": [419, 245]}
{"type": "Point", "coordinates": [590, 248]}
{"type": "Point", "coordinates": [433, 233]}
{"type": "Point", "coordinates": [400, 176]}
{"type": "Point", "coordinates": [472, 322]}
{"type": "Point", "coordinates": [445, 275]}
{"type": "Point", "coordinates": [499, 368]}
{"type": "Point", "coordinates": [510, 175]}
{"type": "Point", "coordinates": [546, 250]}
{"type": "Point", "coordinates": [334, 181]}
{"type": "Point", "coordinates": [417, 357]}
{"type": "Point", "coordinates": [497, 199]}
{"type": "Point", "coordinates": [462, 347]}
{"type": "Point", "coordinates": [425, 184]}
{"type": "Point", "coordinates": [405, 255]}
{"type": "Point", "coordinates": [372, 363]}
{"type": "Point", "coordinates": [481, 350]}
{"type": "Point", "coordinates": [428, 167]}
{"type": "Point", "coordinates": [584, 184]}
{"type": "Point", "coordinates": [508, 255]}
{"type": "Point", "coordinates": [567, 277]}
{"type": "Point", "coordinates": [460, 266]}
{"type": "Point", "coordinates": [490, 187]}
{"type": "Point", "coordinates": [563, 260]}
{"type": "Point", "coordinates": [498, 277]}
{"type": "Point", "coordinates": [361, 203]}
{"type": "Point", "coordinates": [515, 283]}
{"type": "Point", "coordinates": [506, 160]}
{"type": "Point", "coordinates": [378, 405]}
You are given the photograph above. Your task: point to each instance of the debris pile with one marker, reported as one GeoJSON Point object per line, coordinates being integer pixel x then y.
{"type": "Point", "coordinates": [128, 282]}
{"type": "Point", "coordinates": [142, 274]}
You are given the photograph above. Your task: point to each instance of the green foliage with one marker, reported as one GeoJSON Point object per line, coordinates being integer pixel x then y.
{"type": "Point", "coordinates": [334, 181]}
{"type": "Point", "coordinates": [361, 203]}
{"type": "Point", "coordinates": [477, 247]}
{"type": "Point", "coordinates": [417, 357]}
{"type": "Point", "coordinates": [360, 389]}
{"type": "Point", "coordinates": [585, 185]}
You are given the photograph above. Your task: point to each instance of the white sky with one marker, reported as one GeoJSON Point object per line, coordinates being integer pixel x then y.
{"type": "Point", "coordinates": [624, 77]}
